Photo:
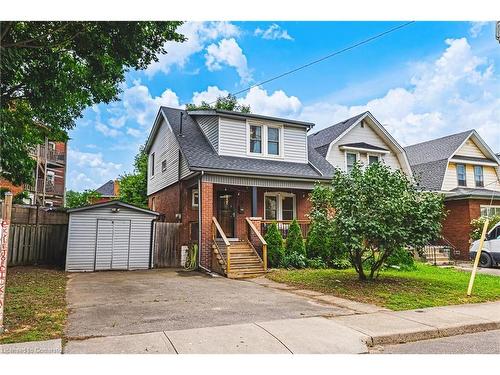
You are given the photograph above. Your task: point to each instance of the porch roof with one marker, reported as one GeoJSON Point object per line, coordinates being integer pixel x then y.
{"type": "Point", "coordinates": [201, 156]}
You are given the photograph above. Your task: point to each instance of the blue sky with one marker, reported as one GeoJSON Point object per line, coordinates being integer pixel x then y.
{"type": "Point", "coordinates": [424, 81]}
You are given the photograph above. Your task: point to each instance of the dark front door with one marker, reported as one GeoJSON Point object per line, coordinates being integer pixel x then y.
{"type": "Point", "coordinates": [226, 212]}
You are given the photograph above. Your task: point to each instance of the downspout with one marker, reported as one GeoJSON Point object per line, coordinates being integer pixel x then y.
{"type": "Point", "coordinates": [200, 200]}
{"type": "Point", "coordinates": [151, 243]}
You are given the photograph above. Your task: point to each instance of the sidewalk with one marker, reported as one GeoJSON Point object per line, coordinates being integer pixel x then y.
{"type": "Point", "coordinates": [347, 334]}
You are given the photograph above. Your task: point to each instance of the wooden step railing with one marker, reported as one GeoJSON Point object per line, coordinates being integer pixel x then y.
{"type": "Point", "coordinates": [216, 228]}
{"type": "Point", "coordinates": [251, 228]}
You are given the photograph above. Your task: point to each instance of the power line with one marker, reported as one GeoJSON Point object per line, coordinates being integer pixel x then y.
{"type": "Point", "coordinates": [365, 41]}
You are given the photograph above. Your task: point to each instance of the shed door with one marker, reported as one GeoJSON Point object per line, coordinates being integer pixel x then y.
{"type": "Point", "coordinates": [113, 245]}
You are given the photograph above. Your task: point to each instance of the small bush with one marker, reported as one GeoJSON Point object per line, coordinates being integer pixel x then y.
{"type": "Point", "coordinates": [477, 226]}
{"type": "Point", "coordinates": [295, 260]}
{"type": "Point", "coordinates": [401, 258]}
{"type": "Point", "coordinates": [275, 250]}
{"type": "Point", "coordinates": [316, 263]}
{"type": "Point", "coordinates": [294, 240]}
{"type": "Point", "coordinates": [341, 262]}
{"type": "Point", "coordinates": [319, 242]}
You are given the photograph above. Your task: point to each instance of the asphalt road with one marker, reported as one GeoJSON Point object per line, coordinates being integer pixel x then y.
{"type": "Point", "coordinates": [473, 343]}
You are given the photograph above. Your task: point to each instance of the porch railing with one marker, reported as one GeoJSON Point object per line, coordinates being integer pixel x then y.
{"type": "Point", "coordinates": [284, 226]}
{"type": "Point", "coordinates": [252, 229]}
{"type": "Point", "coordinates": [225, 256]}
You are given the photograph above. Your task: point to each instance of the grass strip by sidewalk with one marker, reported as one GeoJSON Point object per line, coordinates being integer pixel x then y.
{"type": "Point", "coordinates": [426, 286]}
{"type": "Point", "coordinates": [35, 304]}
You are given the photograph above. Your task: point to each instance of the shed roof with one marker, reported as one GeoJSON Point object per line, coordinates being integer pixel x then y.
{"type": "Point", "coordinates": [113, 203]}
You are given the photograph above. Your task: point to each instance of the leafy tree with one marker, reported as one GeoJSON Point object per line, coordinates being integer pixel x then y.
{"type": "Point", "coordinates": [20, 197]}
{"type": "Point", "coordinates": [275, 249]}
{"type": "Point", "coordinates": [320, 238]}
{"type": "Point", "coordinates": [226, 103]}
{"type": "Point", "coordinates": [51, 71]}
{"type": "Point", "coordinates": [478, 224]}
{"type": "Point", "coordinates": [76, 199]}
{"type": "Point", "coordinates": [133, 186]}
{"type": "Point", "coordinates": [379, 211]}
{"type": "Point", "coordinates": [294, 240]}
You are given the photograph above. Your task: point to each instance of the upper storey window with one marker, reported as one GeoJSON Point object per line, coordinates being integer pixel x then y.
{"type": "Point", "coordinates": [273, 141]}
{"type": "Point", "coordinates": [478, 176]}
{"type": "Point", "coordinates": [256, 139]}
{"type": "Point", "coordinates": [461, 176]}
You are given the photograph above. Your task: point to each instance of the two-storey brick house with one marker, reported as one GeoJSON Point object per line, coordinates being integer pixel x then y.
{"type": "Point", "coordinates": [464, 168]}
{"type": "Point", "coordinates": [226, 175]}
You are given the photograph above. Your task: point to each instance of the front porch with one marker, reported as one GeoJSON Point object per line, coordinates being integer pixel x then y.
{"type": "Point", "coordinates": [235, 219]}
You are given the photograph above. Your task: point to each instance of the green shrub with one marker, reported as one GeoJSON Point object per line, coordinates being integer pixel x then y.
{"type": "Point", "coordinates": [20, 197]}
{"type": "Point", "coordinates": [294, 260]}
{"type": "Point", "coordinates": [294, 240]}
{"type": "Point", "coordinates": [275, 250]}
{"type": "Point", "coordinates": [316, 263]}
{"type": "Point", "coordinates": [477, 226]}
{"type": "Point", "coordinates": [340, 262]}
{"type": "Point", "coordinates": [401, 258]}
{"type": "Point", "coordinates": [319, 242]}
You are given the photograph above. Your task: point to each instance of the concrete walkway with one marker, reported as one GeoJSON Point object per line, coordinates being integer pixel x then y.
{"type": "Point", "coordinates": [347, 334]}
{"type": "Point", "coordinates": [33, 347]}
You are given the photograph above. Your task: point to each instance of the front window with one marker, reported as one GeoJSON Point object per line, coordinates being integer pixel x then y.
{"type": "Point", "coordinates": [152, 166]}
{"type": "Point", "coordinates": [50, 177]}
{"type": "Point", "coordinates": [462, 181]}
{"type": "Point", "coordinates": [273, 141]}
{"type": "Point", "coordinates": [478, 176]}
{"type": "Point", "coordinates": [164, 165]}
{"type": "Point", "coordinates": [373, 159]}
{"type": "Point", "coordinates": [489, 211]}
{"type": "Point", "coordinates": [279, 206]}
{"type": "Point", "coordinates": [350, 161]}
{"type": "Point", "coordinates": [271, 203]}
{"type": "Point", "coordinates": [256, 139]}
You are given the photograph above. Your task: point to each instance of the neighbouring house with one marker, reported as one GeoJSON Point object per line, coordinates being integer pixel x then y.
{"type": "Point", "coordinates": [226, 175]}
{"type": "Point", "coordinates": [108, 191]}
{"type": "Point", "coordinates": [49, 176]}
{"type": "Point", "coordinates": [467, 171]}
{"type": "Point", "coordinates": [359, 139]}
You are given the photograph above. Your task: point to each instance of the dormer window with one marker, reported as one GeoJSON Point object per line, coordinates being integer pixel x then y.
{"type": "Point", "coordinates": [350, 159]}
{"type": "Point", "coordinates": [256, 139]}
{"type": "Point", "coordinates": [478, 176]}
{"type": "Point", "coordinates": [273, 141]}
{"type": "Point", "coordinates": [461, 176]}
{"type": "Point", "coordinates": [372, 159]}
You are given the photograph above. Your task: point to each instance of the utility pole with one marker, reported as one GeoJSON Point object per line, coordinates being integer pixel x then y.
{"type": "Point", "coordinates": [4, 246]}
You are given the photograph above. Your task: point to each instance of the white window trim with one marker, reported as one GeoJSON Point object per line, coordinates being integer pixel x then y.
{"type": "Point", "coordinates": [194, 205]}
{"type": "Point", "coordinates": [279, 203]}
{"type": "Point", "coordinates": [379, 156]}
{"type": "Point", "coordinates": [166, 166]}
{"type": "Point", "coordinates": [474, 173]}
{"type": "Point", "coordinates": [358, 158]}
{"type": "Point", "coordinates": [264, 141]}
{"type": "Point", "coordinates": [487, 207]}
{"type": "Point", "coordinates": [465, 174]}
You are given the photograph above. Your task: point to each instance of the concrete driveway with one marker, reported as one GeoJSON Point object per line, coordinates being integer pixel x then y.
{"type": "Point", "coordinates": [119, 303]}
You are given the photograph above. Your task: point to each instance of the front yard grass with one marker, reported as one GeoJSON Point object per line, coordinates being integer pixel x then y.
{"type": "Point", "coordinates": [35, 304]}
{"type": "Point", "coordinates": [426, 286]}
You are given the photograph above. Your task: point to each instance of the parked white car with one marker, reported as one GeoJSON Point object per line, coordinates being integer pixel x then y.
{"type": "Point", "coordinates": [490, 255]}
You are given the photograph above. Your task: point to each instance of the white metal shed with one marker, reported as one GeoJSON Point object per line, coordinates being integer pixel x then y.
{"type": "Point", "coordinates": [109, 236]}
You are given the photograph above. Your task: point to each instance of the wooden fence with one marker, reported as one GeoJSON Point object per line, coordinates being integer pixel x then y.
{"type": "Point", "coordinates": [167, 246]}
{"type": "Point", "coordinates": [31, 244]}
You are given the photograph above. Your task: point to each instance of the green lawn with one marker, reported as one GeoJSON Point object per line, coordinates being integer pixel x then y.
{"type": "Point", "coordinates": [35, 304]}
{"type": "Point", "coordinates": [426, 286]}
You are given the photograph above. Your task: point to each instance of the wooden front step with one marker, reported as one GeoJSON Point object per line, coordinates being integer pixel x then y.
{"type": "Point", "coordinates": [244, 261]}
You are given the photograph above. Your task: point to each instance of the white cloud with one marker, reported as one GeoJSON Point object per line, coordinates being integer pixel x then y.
{"type": "Point", "coordinates": [476, 28]}
{"type": "Point", "coordinates": [209, 95]}
{"type": "Point", "coordinates": [106, 130]}
{"type": "Point", "coordinates": [273, 32]}
{"type": "Point", "coordinates": [198, 34]}
{"type": "Point", "coordinates": [89, 170]}
{"type": "Point", "coordinates": [228, 52]}
{"type": "Point", "coordinates": [457, 91]}
{"type": "Point", "coordinates": [135, 132]}
{"type": "Point", "coordinates": [276, 104]}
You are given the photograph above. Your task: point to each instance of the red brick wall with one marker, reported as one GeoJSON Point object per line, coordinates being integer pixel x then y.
{"type": "Point", "coordinates": [207, 212]}
{"type": "Point", "coordinates": [456, 226]}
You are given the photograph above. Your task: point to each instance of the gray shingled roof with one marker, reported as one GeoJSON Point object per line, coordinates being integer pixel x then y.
{"type": "Point", "coordinates": [428, 160]}
{"type": "Point", "coordinates": [436, 149]}
{"type": "Point", "coordinates": [107, 190]}
{"type": "Point", "coordinates": [326, 136]}
{"type": "Point", "coordinates": [472, 158]}
{"type": "Point", "coordinates": [461, 192]}
{"type": "Point", "coordinates": [201, 156]}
